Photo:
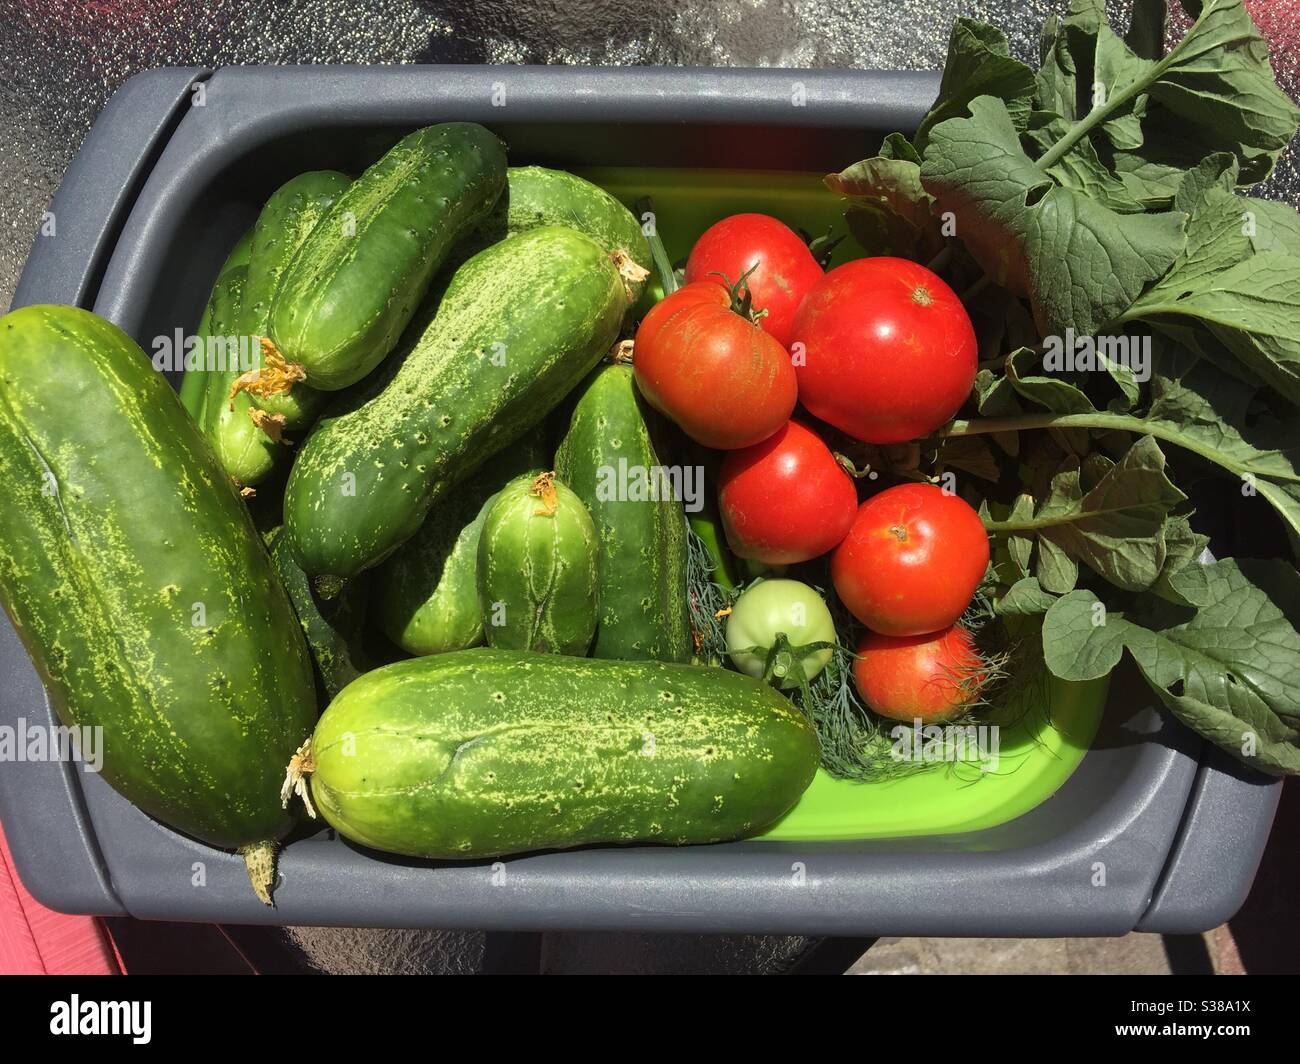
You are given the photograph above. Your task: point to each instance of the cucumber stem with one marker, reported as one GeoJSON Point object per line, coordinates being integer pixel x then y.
{"type": "Point", "coordinates": [259, 859]}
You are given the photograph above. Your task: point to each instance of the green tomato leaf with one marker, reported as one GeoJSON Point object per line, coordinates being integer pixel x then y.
{"type": "Point", "coordinates": [1080, 263]}
{"type": "Point", "coordinates": [971, 455]}
{"type": "Point", "coordinates": [1054, 394]}
{"type": "Point", "coordinates": [1146, 32]}
{"type": "Point", "coordinates": [1218, 79]}
{"type": "Point", "coordinates": [979, 64]}
{"type": "Point", "coordinates": [1183, 579]}
{"type": "Point", "coordinates": [1272, 226]}
{"type": "Point", "coordinates": [1024, 598]}
{"type": "Point", "coordinates": [1229, 670]}
{"type": "Point", "coordinates": [1116, 528]}
{"type": "Point", "coordinates": [888, 210]}
{"type": "Point", "coordinates": [1081, 641]}
{"type": "Point", "coordinates": [1081, 169]}
{"type": "Point", "coordinates": [1250, 308]}
{"type": "Point", "coordinates": [1057, 571]}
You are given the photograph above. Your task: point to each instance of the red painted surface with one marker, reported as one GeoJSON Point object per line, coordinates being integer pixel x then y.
{"type": "Point", "coordinates": [35, 940]}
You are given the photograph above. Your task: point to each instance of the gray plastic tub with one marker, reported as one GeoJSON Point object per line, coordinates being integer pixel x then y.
{"type": "Point", "coordinates": [171, 175]}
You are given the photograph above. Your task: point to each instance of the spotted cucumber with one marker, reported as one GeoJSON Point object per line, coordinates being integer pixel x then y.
{"type": "Point", "coordinates": [134, 577]}
{"type": "Point", "coordinates": [287, 219]}
{"type": "Point", "coordinates": [538, 566]}
{"type": "Point", "coordinates": [195, 383]}
{"type": "Point", "coordinates": [488, 752]}
{"type": "Point", "coordinates": [536, 196]}
{"type": "Point", "coordinates": [520, 324]}
{"type": "Point", "coordinates": [357, 279]}
{"type": "Point", "coordinates": [427, 591]}
{"type": "Point", "coordinates": [247, 452]}
{"type": "Point", "coordinates": [608, 457]}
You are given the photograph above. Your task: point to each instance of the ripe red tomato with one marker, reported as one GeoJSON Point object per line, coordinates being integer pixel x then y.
{"type": "Point", "coordinates": [723, 380]}
{"type": "Point", "coordinates": [784, 268]}
{"type": "Point", "coordinates": [889, 352]}
{"type": "Point", "coordinates": [911, 561]}
{"type": "Point", "coordinates": [785, 500]}
{"type": "Point", "coordinates": [927, 676]}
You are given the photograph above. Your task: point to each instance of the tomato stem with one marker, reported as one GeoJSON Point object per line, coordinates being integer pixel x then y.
{"type": "Point", "coordinates": [821, 247]}
{"type": "Point", "coordinates": [742, 304]}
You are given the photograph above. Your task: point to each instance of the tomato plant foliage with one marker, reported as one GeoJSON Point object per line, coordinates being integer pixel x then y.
{"type": "Point", "coordinates": [1103, 196]}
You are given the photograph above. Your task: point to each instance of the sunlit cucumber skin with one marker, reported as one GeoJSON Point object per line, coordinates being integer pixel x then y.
{"type": "Point", "coordinates": [487, 752]}
{"type": "Point", "coordinates": [642, 592]}
{"type": "Point", "coordinates": [287, 219]}
{"type": "Point", "coordinates": [357, 279]}
{"type": "Point", "coordinates": [538, 566]}
{"type": "Point", "coordinates": [536, 196]}
{"type": "Point", "coordinates": [196, 383]}
{"type": "Point", "coordinates": [518, 326]}
{"type": "Point", "coordinates": [134, 577]}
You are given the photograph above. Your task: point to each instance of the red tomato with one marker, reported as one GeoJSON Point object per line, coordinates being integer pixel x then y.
{"type": "Point", "coordinates": [785, 500]}
{"type": "Point", "coordinates": [889, 352]}
{"type": "Point", "coordinates": [927, 676]}
{"type": "Point", "coordinates": [722, 379]}
{"type": "Point", "coordinates": [784, 268]}
{"type": "Point", "coordinates": [911, 561]}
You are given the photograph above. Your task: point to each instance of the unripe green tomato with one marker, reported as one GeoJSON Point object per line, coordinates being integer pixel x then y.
{"type": "Point", "coordinates": [771, 607]}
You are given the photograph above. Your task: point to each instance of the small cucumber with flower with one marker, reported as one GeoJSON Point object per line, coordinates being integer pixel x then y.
{"type": "Point", "coordinates": [538, 568]}
{"type": "Point", "coordinates": [356, 281]}
{"type": "Point", "coordinates": [286, 221]}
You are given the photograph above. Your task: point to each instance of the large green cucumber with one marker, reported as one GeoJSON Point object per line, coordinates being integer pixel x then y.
{"type": "Point", "coordinates": [286, 221]}
{"type": "Point", "coordinates": [488, 752]}
{"type": "Point", "coordinates": [357, 279]}
{"type": "Point", "coordinates": [134, 577]}
{"type": "Point", "coordinates": [428, 589]}
{"type": "Point", "coordinates": [608, 458]}
{"type": "Point", "coordinates": [519, 325]}
{"type": "Point", "coordinates": [536, 196]}
{"type": "Point", "coordinates": [246, 452]}
{"type": "Point", "coordinates": [195, 383]}
{"type": "Point", "coordinates": [333, 627]}
{"type": "Point", "coordinates": [538, 568]}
